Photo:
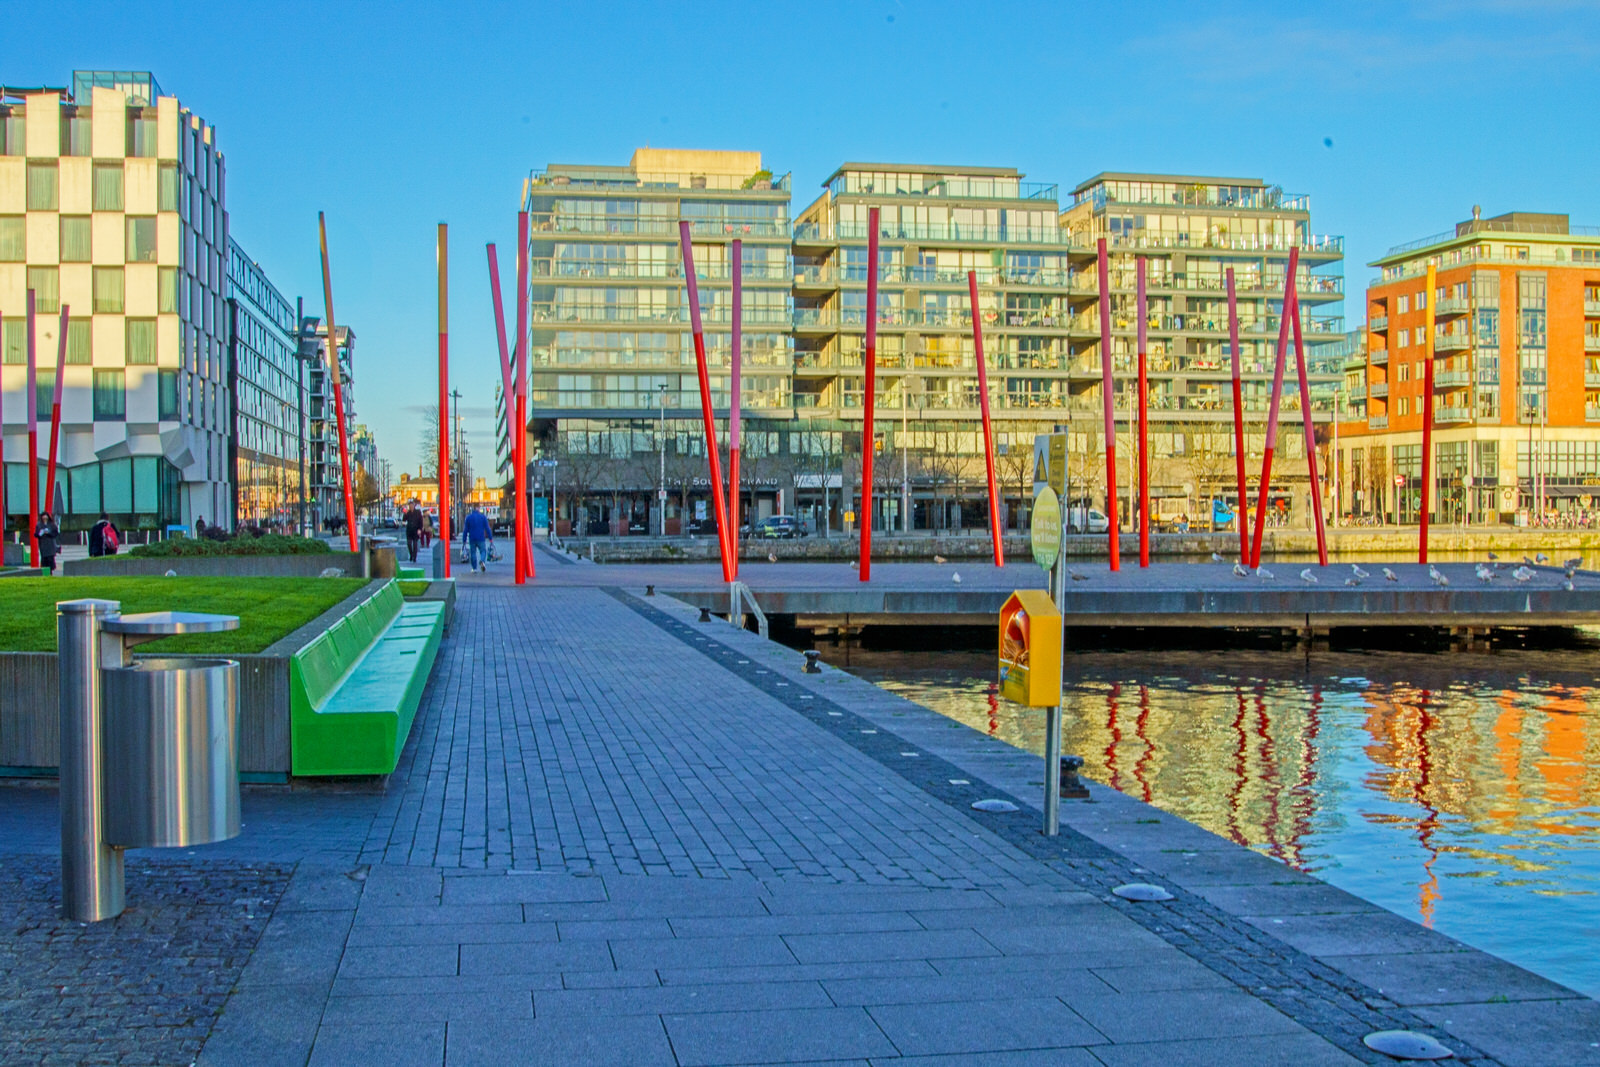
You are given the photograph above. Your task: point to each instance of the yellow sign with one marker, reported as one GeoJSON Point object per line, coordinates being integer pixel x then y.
{"type": "Point", "coordinates": [1045, 528]}
{"type": "Point", "coordinates": [849, 516]}
{"type": "Point", "coordinates": [1030, 649]}
{"type": "Point", "coordinates": [1050, 462]}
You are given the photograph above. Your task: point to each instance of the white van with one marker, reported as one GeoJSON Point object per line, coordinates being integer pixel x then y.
{"type": "Point", "coordinates": [1095, 522]}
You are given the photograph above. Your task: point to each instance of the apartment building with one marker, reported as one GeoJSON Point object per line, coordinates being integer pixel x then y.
{"type": "Point", "coordinates": [112, 204]}
{"type": "Point", "coordinates": [1516, 354]}
{"type": "Point", "coordinates": [267, 385]}
{"type": "Point", "coordinates": [324, 468]}
{"type": "Point", "coordinates": [1190, 230]}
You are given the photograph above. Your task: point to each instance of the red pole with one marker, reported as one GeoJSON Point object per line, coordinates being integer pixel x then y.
{"type": "Point", "coordinates": [338, 390]}
{"type": "Point", "coordinates": [869, 398]}
{"type": "Point", "coordinates": [507, 392]}
{"type": "Point", "coordinates": [443, 259]}
{"type": "Point", "coordinates": [1144, 428]}
{"type": "Point", "coordinates": [1272, 410]}
{"type": "Point", "coordinates": [1112, 531]}
{"type": "Point", "coordinates": [719, 501]}
{"type": "Point", "coordinates": [1311, 437]}
{"type": "Point", "coordinates": [521, 368]}
{"type": "Point", "coordinates": [735, 357]}
{"type": "Point", "coordinates": [1427, 425]}
{"type": "Point", "coordinates": [33, 440]}
{"type": "Point", "coordinates": [55, 415]}
{"type": "Point", "coordinates": [988, 424]}
{"type": "Point", "coordinates": [1241, 510]}
{"type": "Point", "coordinates": [3, 514]}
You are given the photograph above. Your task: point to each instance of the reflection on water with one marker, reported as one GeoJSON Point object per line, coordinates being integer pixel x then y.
{"type": "Point", "coordinates": [1459, 790]}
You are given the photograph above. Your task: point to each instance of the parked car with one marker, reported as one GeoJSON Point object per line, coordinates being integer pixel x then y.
{"type": "Point", "coordinates": [781, 527]}
{"type": "Point", "coordinates": [1095, 521]}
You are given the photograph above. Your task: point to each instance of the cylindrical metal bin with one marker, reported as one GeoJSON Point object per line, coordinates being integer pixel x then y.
{"type": "Point", "coordinates": [171, 767]}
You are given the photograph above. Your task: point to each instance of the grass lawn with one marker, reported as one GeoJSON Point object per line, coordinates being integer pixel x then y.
{"type": "Point", "coordinates": [268, 608]}
{"type": "Point", "coordinates": [413, 588]}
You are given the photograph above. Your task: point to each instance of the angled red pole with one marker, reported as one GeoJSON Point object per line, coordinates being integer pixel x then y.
{"type": "Point", "coordinates": [1144, 427]}
{"type": "Point", "coordinates": [507, 391]}
{"type": "Point", "coordinates": [870, 395]}
{"type": "Point", "coordinates": [1241, 510]}
{"type": "Point", "coordinates": [55, 414]}
{"type": "Point", "coordinates": [1311, 435]}
{"type": "Point", "coordinates": [1272, 409]}
{"type": "Point", "coordinates": [1112, 532]}
{"type": "Point", "coordinates": [338, 390]}
{"type": "Point", "coordinates": [522, 356]}
{"type": "Point", "coordinates": [1427, 425]}
{"type": "Point", "coordinates": [735, 358]}
{"type": "Point", "coordinates": [988, 423]}
{"type": "Point", "coordinates": [33, 439]}
{"type": "Point", "coordinates": [442, 254]}
{"type": "Point", "coordinates": [4, 515]}
{"type": "Point", "coordinates": [719, 500]}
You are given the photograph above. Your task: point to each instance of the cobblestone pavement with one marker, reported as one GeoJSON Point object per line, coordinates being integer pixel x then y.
{"type": "Point", "coordinates": [620, 836]}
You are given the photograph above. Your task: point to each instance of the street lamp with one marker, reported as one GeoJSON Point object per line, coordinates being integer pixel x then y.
{"type": "Point", "coordinates": [905, 463]}
{"type": "Point", "coordinates": [661, 442]}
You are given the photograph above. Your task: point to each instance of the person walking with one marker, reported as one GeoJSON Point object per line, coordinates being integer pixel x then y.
{"type": "Point", "coordinates": [476, 533]}
{"type": "Point", "coordinates": [413, 521]}
{"type": "Point", "coordinates": [48, 534]}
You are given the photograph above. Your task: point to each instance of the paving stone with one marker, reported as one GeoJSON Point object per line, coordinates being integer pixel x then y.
{"type": "Point", "coordinates": [983, 1026]}
{"type": "Point", "coordinates": [615, 930]}
{"type": "Point", "coordinates": [787, 1036]}
{"type": "Point", "coordinates": [948, 989]}
{"type": "Point", "coordinates": [439, 914]}
{"type": "Point", "coordinates": [427, 1007]}
{"type": "Point", "coordinates": [1180, 1014]}
{"type": "Point", "coordinates": [401, 961]}
{"type": "Point", "coordinates": [690, 952]}
{"type": "Point", "coordinates": [678, 999]}
{"type": "Point", "coordinates": [266, 1027]}
{"type": "Point", "coordinates": [298, 948]}
{"type": "Point", "coordinates": [1526, 1034]}
{"type": "Point", "coordinates": [793, 923]}
{"type": "Point", "coordinates": [620, 1042]}
{"type": "Point", "coordinates": [1448, 978]}
{"type": "Point", "coordinates": [1280, 900]}
{"type": "Point", "coordinates": [1173, 973]}
{"type": "Point", "coordinates": [535, 958]}
{"type": "Point", "coordinates": [1364, 934]}
{"type": "Point", "coordinates": [888, 945]}
{"type": "Point", "coordinates": [451, 933]}
{"type": "Point", "coordinates": [1058, 1057]}
{"type": "Point", "coordinates": [798, 972]}
{"type": "Point", "coordinates": [1279, 1050]}
{"type": "Point", "coordinates": [380, 1045]}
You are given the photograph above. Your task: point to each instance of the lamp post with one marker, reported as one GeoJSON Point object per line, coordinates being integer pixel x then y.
{"type": "Point", "coordinates": [661, 444]}
{"type": "Point", "coordinates": [456, 472]}
{"type": "Point", "coordinates": [905, 461]}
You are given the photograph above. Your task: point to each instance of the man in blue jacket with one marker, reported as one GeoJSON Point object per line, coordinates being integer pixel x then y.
{"type": "Point", "coordinates": [476, 532]}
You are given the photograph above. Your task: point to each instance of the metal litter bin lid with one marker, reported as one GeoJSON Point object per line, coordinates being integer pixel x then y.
{"type": "Point", "coordinates": [171, 622]}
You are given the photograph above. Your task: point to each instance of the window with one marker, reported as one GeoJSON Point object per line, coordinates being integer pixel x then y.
{"type": "Point", "coordinates": [1403, 305]}
{"type": "Point", "coordinates": [75, 133]}
{"type": "Point", "coordinates": [79, 342]}
{"type": "Point", "coordinates": [42, 193]}
{"type": "Point", "coordinates": [141, 338]}
{"type": "Point", "coordinates": [1402, 338]}
{"type": "Point", "coordinates": [167, 289]}
{"type": "Point", "coordinates": [46, 285]}
{"type": "Point", "coordinates": [141, 238]}
{"type": "Point", "coordinates": [142, 132]}
{"type": "Point", "coordinates": [1586, 255]}
{"type": "Point", "coordinates": [1405, 372]}
{"type": "Point", "coordinates": [108, 289]}
{"type": "Point", "coordinates": [108, 186]}
{"type": "Point", "coordinates": [1422, 301]}
{"type": "Point", "coordinates": [13, 239]}
{"type": "Point", "coordinates": [1516, 251]}
{"type": "Point", "coordinates": [76, 243]}
{"type": "Point", "coordinates": [167, 394]}
{"type": "Point", "coordinates": [110, 396]}
{"type": "Point", "coordinates": [167, 189]}
{"type": "Point", "coordinates": [1405, 405]}
{"type": "Point", "coordinates": [15, 340]}
{"type": "Point", "coordinates": [44, 389]}
{"type": "Point", "coordinates": [13, 132]}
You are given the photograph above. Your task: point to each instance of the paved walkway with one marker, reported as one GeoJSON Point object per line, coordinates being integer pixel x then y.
{"type": "Point", "coordinates": [621, 836]}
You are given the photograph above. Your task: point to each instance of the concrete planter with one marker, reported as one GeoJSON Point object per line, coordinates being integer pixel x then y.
{"type": "Point", "coordinates": [353, 564]}
{"type": "Point", "coordinates": [30, 714]}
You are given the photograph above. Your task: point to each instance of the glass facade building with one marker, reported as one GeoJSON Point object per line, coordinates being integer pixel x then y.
{"type": "Point", "coordinates": [324, 472]}
{"type": "Point", "coordinates": [267, 386]}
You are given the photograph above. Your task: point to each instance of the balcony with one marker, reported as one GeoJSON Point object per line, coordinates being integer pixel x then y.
{"type": "Point", "coordinates": [1591, 342]}
{"type": "Point", "coordinates": [1378, 390]}
{"type": "Point", "coordinates": [1591, 309]}
{"type": "Point", "coordinates": [1377, 422]}
{"type": "Point", "coordinates": [1451, 413]}
{"type": "Point", "coordinates": [1310, 246]}
{"type": "Point", "coordinates": [1378, 357]}
{"type": "Point", "coordinates": [1378, 324]}
{"type": "Point", "coordinates": [1453, 342]}
{"type": "Point", "coordinates": [856, 232]}
{"type": "Point", "coordinates": [1455, 305]}
{"type": "Point", "coordinates": [1451, 379]}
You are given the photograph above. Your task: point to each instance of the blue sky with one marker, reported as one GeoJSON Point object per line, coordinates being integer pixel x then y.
{"type": "Point", "coordinates": [391, 117]}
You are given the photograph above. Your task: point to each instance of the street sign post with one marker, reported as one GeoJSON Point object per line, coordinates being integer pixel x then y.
{"type": "Point", "coordinates": [1045, 528]}
{"type": "Point", "coordinates": [1030, 674]}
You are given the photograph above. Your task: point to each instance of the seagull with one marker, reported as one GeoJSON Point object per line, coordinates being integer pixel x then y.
{"type": "Point", "coordinates": [1308, 577]}
{"type": "Point", "coordinates": [172, 574]}
{"type": "Point", "coordinates": [1435, 577]}
{"type": "Point", "coordinates": [956, 578]}
{"type": "Point", "coordinates": [1078, 577]}
{"type": "Point", "coordinates": [1358, 572]}
{"type": "Point", "coordinates": [940, 559]}
{"type": "Point", "coordinates": [854, 565]}
{"type": "Point", "coordinates": [1240, 570]}
{"type": "Point", "coordinates": [1493, 556]}
{"type": "Point", "coordinates": [1572, 564]}
{"type": "Point", "coordinates": [1528, 561]}
{"type": "Point", "coordinates": [1567, 586]}
{"type": "Point", "coordinates": [1484, 573]}
{"type": "Point", "coordinates": [1352, 581]}
{"type": "Point", "coordinates": [1391, 575]}
{"type": "Point", "coordinates": [1262, 572]}
{"type": "Point", "coordinates": [772, 557]}
{"type": "Point", "coordinates": [1541, 557]}
{"type": "Point", "coordinates": [1522, 574]}
{"type": "Point", "coordinates": [1216, 558]}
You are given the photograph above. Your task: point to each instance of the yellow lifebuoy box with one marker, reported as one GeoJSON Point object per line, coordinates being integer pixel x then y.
{"type": "Point", "coordinates": [1030, 649]}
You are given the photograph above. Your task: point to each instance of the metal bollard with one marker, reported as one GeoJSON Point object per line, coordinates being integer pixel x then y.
{"type": "Point", "coordinates": [813, 662]}
{"type": "Point", "coordinates": [705, 615]}
{"type": "Point", "coordinates": [1071, 787]}
{"type": "Point", "coordinates": [649, 590]}
{"type": "Point", "coordinates": [91, 870]}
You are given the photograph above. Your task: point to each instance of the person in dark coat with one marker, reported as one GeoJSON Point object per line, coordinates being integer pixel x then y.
{"type": "Point", "coordinates": [97, 536]}
{"type": "Point", "coordinates": [48, 535]}
{"type": "Point", "coordinates": [414, 522]}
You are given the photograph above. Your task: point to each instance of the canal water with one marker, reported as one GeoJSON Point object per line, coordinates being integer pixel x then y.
{"type": "Point", "coordinates": [1459, 790]}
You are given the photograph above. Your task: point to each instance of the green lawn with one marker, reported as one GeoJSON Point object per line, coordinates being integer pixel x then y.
{"type": "Point", "coordinates": [268, 608]}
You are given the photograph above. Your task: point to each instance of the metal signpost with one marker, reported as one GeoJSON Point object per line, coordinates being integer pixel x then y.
{"type": "Point", "coordinates": [1030, 622]}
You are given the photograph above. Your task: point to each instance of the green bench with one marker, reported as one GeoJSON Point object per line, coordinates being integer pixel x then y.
{"type": "Point", "coordinates": [354, 690]}
{"type": "Point", "coordinates": [412, 574]}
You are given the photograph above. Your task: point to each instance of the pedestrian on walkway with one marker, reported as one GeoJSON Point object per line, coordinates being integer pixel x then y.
{"type": "Point", "coordinates": [413, 521]}
{"type": "Point", "coordinates": [475, 533]}
{"type": "Point", "coordinates": [48, 534]}
{"type": "Point", "coordinates": [97, 537]}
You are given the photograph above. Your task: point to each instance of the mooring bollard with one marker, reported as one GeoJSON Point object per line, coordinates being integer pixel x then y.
{"type": "Point", "coordinates": [705, 615]}
{"type": "Point", "coordinates": [1071, 787]}
{"type": "Point", "coordinates": [649, 590]}
{"type": "Point", "coordinates": [813, 662]}
{"type": "Point", "coordinates": [149, 748]}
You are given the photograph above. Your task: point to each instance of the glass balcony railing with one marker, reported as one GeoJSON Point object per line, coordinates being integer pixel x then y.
{"type": "Point", "coordinates": [545, 182]}
{"type": "Point", "coordinates": [1591, 342]}
{"type": "Point", "coordinates": [1378, 356]}
{"type": "Point", "coordinates": [1452, 305]}
{"type": "Point", "coordinates": [1591, 414]}
{"type": "Point", "coordinates": [953, 232]}
{"type": "Point", "coordinates": [1591, 309]}
{"type": "Point", "coordinates": [551, 313]}
{"type": "Point", "coordinates": [830, 275]}
{"type": "Point", "coordinates": [1377, 422]}
{"type": "Point", "coordinates": [1378, 389]}
{"type": "Point", "coordinates": [1378, 324]}
{"type": "Point", "coordinates": [1451, 379]}
{"type": "Point", "coordinates": [1452, 413]}
{"type": "Point", "coordinates": [671, 270]}
{"type": "Point", "coordinates": [1316, 245]}
{"type": "Point", "coordinates": [655, 226]}
{"type": "Point", "coordinates": [1451, 342]}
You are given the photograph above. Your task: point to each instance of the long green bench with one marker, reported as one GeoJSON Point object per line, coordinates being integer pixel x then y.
{"type": "Point", "coordinates": [354, 690]}
{"type": "Point", "coordinates": [410, 574]}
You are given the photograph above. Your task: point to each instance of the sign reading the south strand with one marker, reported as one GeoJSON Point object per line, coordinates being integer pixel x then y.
{"type": "Point", "coordinates": [1030, 649]}
{"type": "Point", "coordinates": [1045, 528]}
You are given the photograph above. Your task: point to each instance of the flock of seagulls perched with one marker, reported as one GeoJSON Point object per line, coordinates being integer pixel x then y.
{"type": "Point", "coordinates": [1486, 573]}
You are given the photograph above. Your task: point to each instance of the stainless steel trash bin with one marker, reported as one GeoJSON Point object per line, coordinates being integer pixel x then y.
{"type": "Point", "coordinates": [171, 766]}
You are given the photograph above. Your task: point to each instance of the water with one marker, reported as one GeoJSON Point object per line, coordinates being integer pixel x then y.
{"type": "Point", "coordinates": [1459, 790]}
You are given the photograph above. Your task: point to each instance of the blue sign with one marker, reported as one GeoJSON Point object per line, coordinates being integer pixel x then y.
{"type": "Point", "coordinates": [541, 513]}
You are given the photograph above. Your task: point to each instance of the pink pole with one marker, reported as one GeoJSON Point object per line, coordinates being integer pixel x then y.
{"type": "Point", "coordinates": [521, 369]}
{"type": "Point", "coordinates": [719, 501]}
{"type": "Point", "coordinates": [33, 440]}
{"type": "Point", "coordinates": [1112, 532]}
{"type": "Point", "coordinates": [55, 415]}
{"type": "Point", "coordinates": [508, 392]}
{"type": "Point", "coordinates": [1272, 410]}
{"type": "Point", "coordinates": [988, 424]}
{"type": "Point", "coordinates": [1311, 435]}
{"type": "Point", "coordinates": [1144, 428]}
{"type": "Point", "coordinates": [735, 358]}
{"type": "Point", "coordinates": [869, 402]}
{"type": "Point", "coordinates": [1241, 510]}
